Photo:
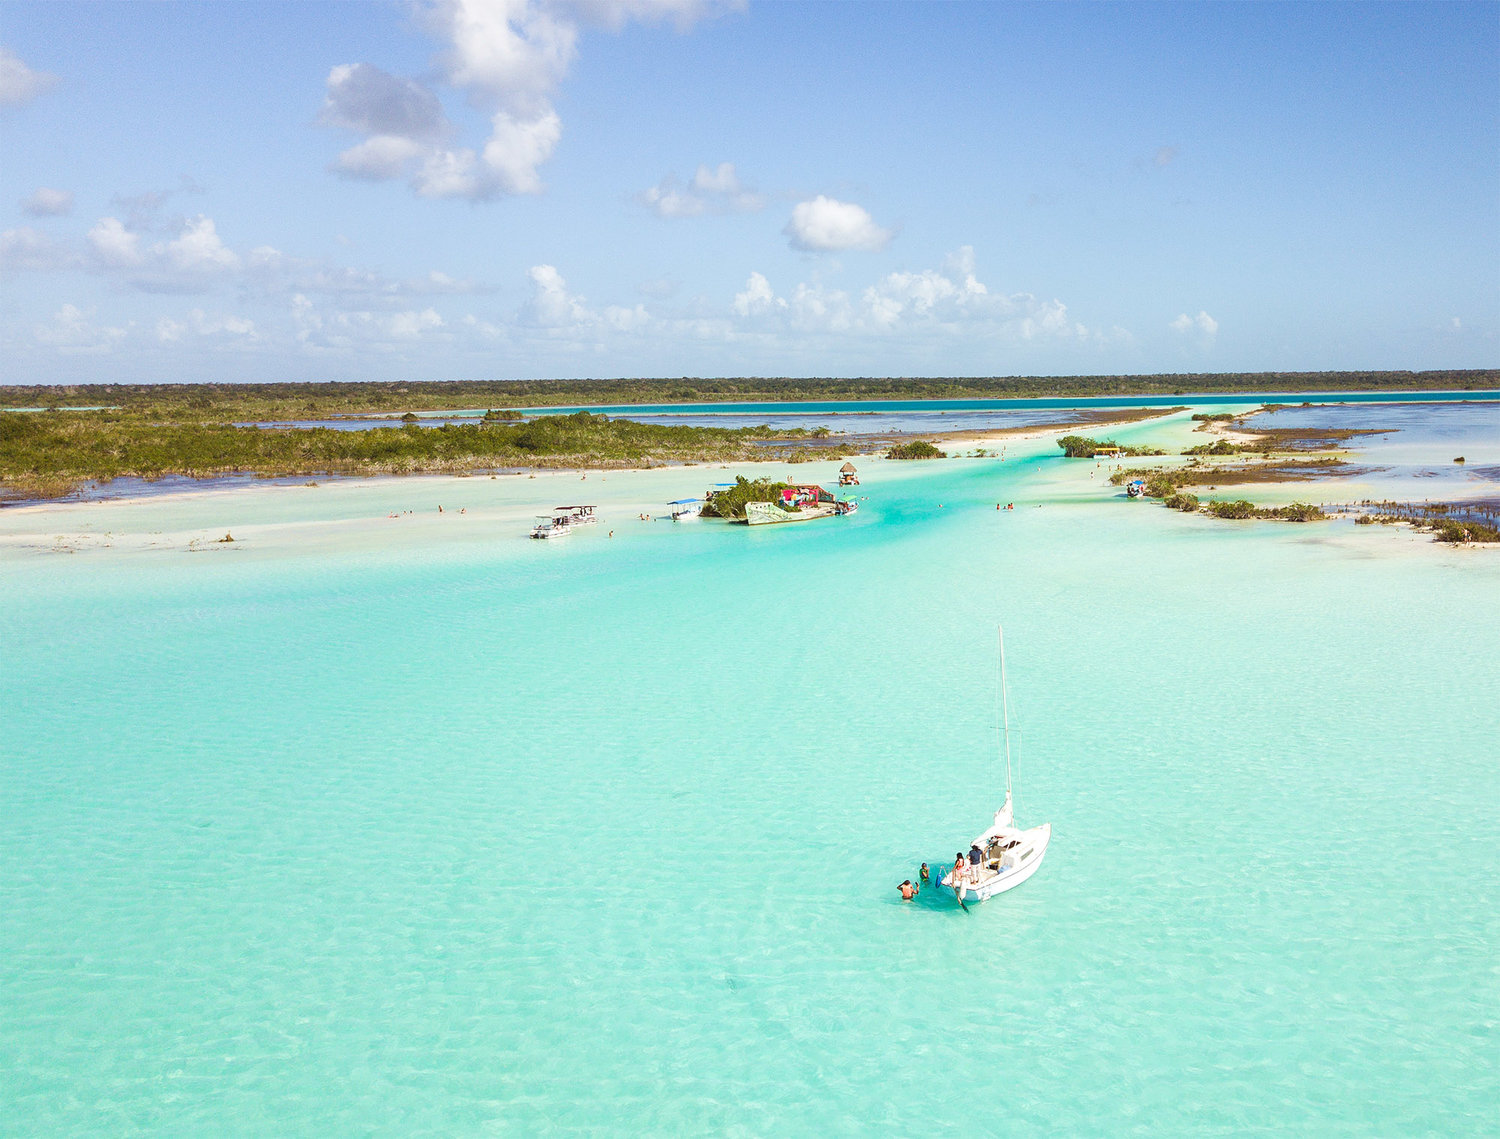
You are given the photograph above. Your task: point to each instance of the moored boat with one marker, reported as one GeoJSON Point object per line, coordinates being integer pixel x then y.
{"type": "Point", "coordinates": [798, 504]}
{"type": "Point", "coordinates": [1136, 488]}
{"type": "Point", "coordinates": [554, 525]}
{"type": "Point", "coordinates": [577, 515]}
{"type": "Point", "coordinates": [1004, 855]}
{"type": "Point", "coordinates": [684, 509]}
{"type": "Point", "coordinates": [761, 513]}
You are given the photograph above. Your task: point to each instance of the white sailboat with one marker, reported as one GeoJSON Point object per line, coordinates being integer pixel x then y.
{"type": "Point", "coordinates": [1005, 855]}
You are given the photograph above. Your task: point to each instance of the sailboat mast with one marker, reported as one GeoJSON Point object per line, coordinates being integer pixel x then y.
{"type": "Point", "coordinates": [1005, 713]}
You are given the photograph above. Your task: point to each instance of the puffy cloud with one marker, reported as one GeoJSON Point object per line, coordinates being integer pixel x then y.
{"type": "Point", "coordinates": [404, 120]}
{"type": "Point", "coordinates": [45, 202]}
{"type": "Point", "coordinates": [379, 158]}
{"type": "Point", "coordinates": [200, 324]}
{"type": "Point", "coordinates": [199, 250]}
{"type": "Point", "coordinates": [945, 301]}
{"type": "Point", "coordinates": [410, 324]}
{"type": "Point", "coordinates": [713, 190]}
{"type": "Point", "coordinates": [19, 84]}
{"type": "Point", "coordinates": [826, 225]}
{"type": "Point", "coordinates": [518, 145]}
{"type": "Point", "coordinates": [508, 57]}
{"type": "Point", "coordinates": [668, 200]}
{"type": "Point", "coordinates": [1205, 325]}
{"type": "Point", "coordinates": [361, 97]}
{"type": "Point", "coordinates": [27, 248]}
{"type": "Point", "coordinates": [114, 246]}
{"type": "Point", "coordinates": [758, 298]}
{"type": "Point", "coordinates": [322, 329]}
{"type": "Point", "coordinates": [551, 305]}
{"type": "Point", "coordinates": [72, 331]}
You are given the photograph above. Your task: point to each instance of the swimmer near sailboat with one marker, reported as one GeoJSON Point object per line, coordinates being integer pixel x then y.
{"type": "Point", "coordinates": [1003, 856]}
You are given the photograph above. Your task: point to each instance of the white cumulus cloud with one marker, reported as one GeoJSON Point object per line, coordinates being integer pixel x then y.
{"type": "Point", "coordinates": [199, 249]}
{"type": "Point", "coordinates": [1203, 324]}
{"type": "Point", "coordinates": [551, 305]}
{"type": "Point", "coordinates": [716, 190]}
{"type": "Point", "coordinates": [114, 246]}
{"type": "Point", "coordinates": [224, 327]}
{"type": "Point", "coordinates": [45, 202]}
{"type": "Point", "coordinates": [943, 303]}
{"type": "Point", "coordinates": [73, 331]}
{"type": "Point", "coordinates": [758, 297]}
{"type": "Point", "coordinates": [508, 57]}
{"type": "Point", "coordinates": [19, 84]}
{"type": "Point", "coordinates": [826, 225]}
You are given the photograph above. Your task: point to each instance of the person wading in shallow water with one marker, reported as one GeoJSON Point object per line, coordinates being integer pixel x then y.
{"type": "Point", "coordinates": [908, 891]}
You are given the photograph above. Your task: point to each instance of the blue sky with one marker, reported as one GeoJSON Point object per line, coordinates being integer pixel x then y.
{"type": "Point", "coordinates": [230, 190]}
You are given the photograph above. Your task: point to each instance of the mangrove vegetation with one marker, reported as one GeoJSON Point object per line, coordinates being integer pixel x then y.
{"type": "Point", "coordinates": [48, 454]}
{"type": "Point", "coordinates": [731, 501]}
{"type": "Point", "coordinates": [916, 449]}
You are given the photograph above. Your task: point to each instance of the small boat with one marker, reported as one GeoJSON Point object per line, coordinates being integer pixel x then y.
{"type": "Point", "coordinates": [798, 504]}
{"type": "Point", "coordinates": [684, 509]}
{"type": "Point", "coordinates": [761, 513]}
{"type": "Point", "coordinates": [555, 525]}
{"type": "Point", "coordinates": [1004, 855]}
{"type": "Point", "coordinates": [1136, 488]}
{"type": "Point", "coordinates": [577, 515]}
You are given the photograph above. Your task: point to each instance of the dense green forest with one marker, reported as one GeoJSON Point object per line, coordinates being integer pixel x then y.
{"type": "Point", "coordinates": [208, 401]}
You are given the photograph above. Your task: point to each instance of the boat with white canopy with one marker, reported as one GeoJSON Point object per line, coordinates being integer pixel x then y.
{"type": "Point", "coordinates": [1004, 855]}
{"type": "Point", "coordinates": [558, 524]}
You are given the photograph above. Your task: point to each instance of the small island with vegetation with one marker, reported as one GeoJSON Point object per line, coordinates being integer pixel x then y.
{"type": "Point", "coordinates": [916, 449]}
{"type": "Point", "coordinates": [1082, 447]}
{"type": "Point", "coordinates": [731, 502]}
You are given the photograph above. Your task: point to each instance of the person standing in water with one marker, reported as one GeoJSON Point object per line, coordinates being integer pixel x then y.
{"type": "Point", "coordinates": [908, 891]}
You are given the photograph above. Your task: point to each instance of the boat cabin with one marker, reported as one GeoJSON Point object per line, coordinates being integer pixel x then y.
{"type": "Point", "coordinates": [1108, 452]}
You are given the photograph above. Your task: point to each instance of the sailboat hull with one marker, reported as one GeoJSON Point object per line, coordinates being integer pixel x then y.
{"type": "Point", "coordinates": [1017, 864]}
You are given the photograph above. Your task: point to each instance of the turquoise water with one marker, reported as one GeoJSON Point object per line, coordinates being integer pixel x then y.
{"type": "Point", "coordinates": [409, 825]}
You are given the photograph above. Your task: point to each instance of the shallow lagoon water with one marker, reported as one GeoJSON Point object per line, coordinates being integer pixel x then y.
{"type": "Point", "coordinates": [410, 825]}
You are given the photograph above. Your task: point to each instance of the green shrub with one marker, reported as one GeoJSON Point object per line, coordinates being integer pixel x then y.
{"type": "Point", "coordinates": [916, 449]}
{"type": "Point", "coordinates": [1184, 502]}
{"type": "Point", "coordinates": [1299, 512]}
{"type": "Point", "coordinates": [1221, 447]}
{"type": "Point", "coordinates": [1159, 484]}
{"type": "Point", "coordinates": [1237, 509]}
{"type": "Point", "coordinates": [731, 502]}
{"type": "Point", "coordinates": [1080, 446]}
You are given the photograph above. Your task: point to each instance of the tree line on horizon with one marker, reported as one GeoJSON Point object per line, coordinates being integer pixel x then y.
{"type": "Point", "coordinates": [305, 400]}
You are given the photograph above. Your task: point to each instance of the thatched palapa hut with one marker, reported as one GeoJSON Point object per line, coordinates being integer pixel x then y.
{"type": "Point", "coordinates": [848, 476]}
